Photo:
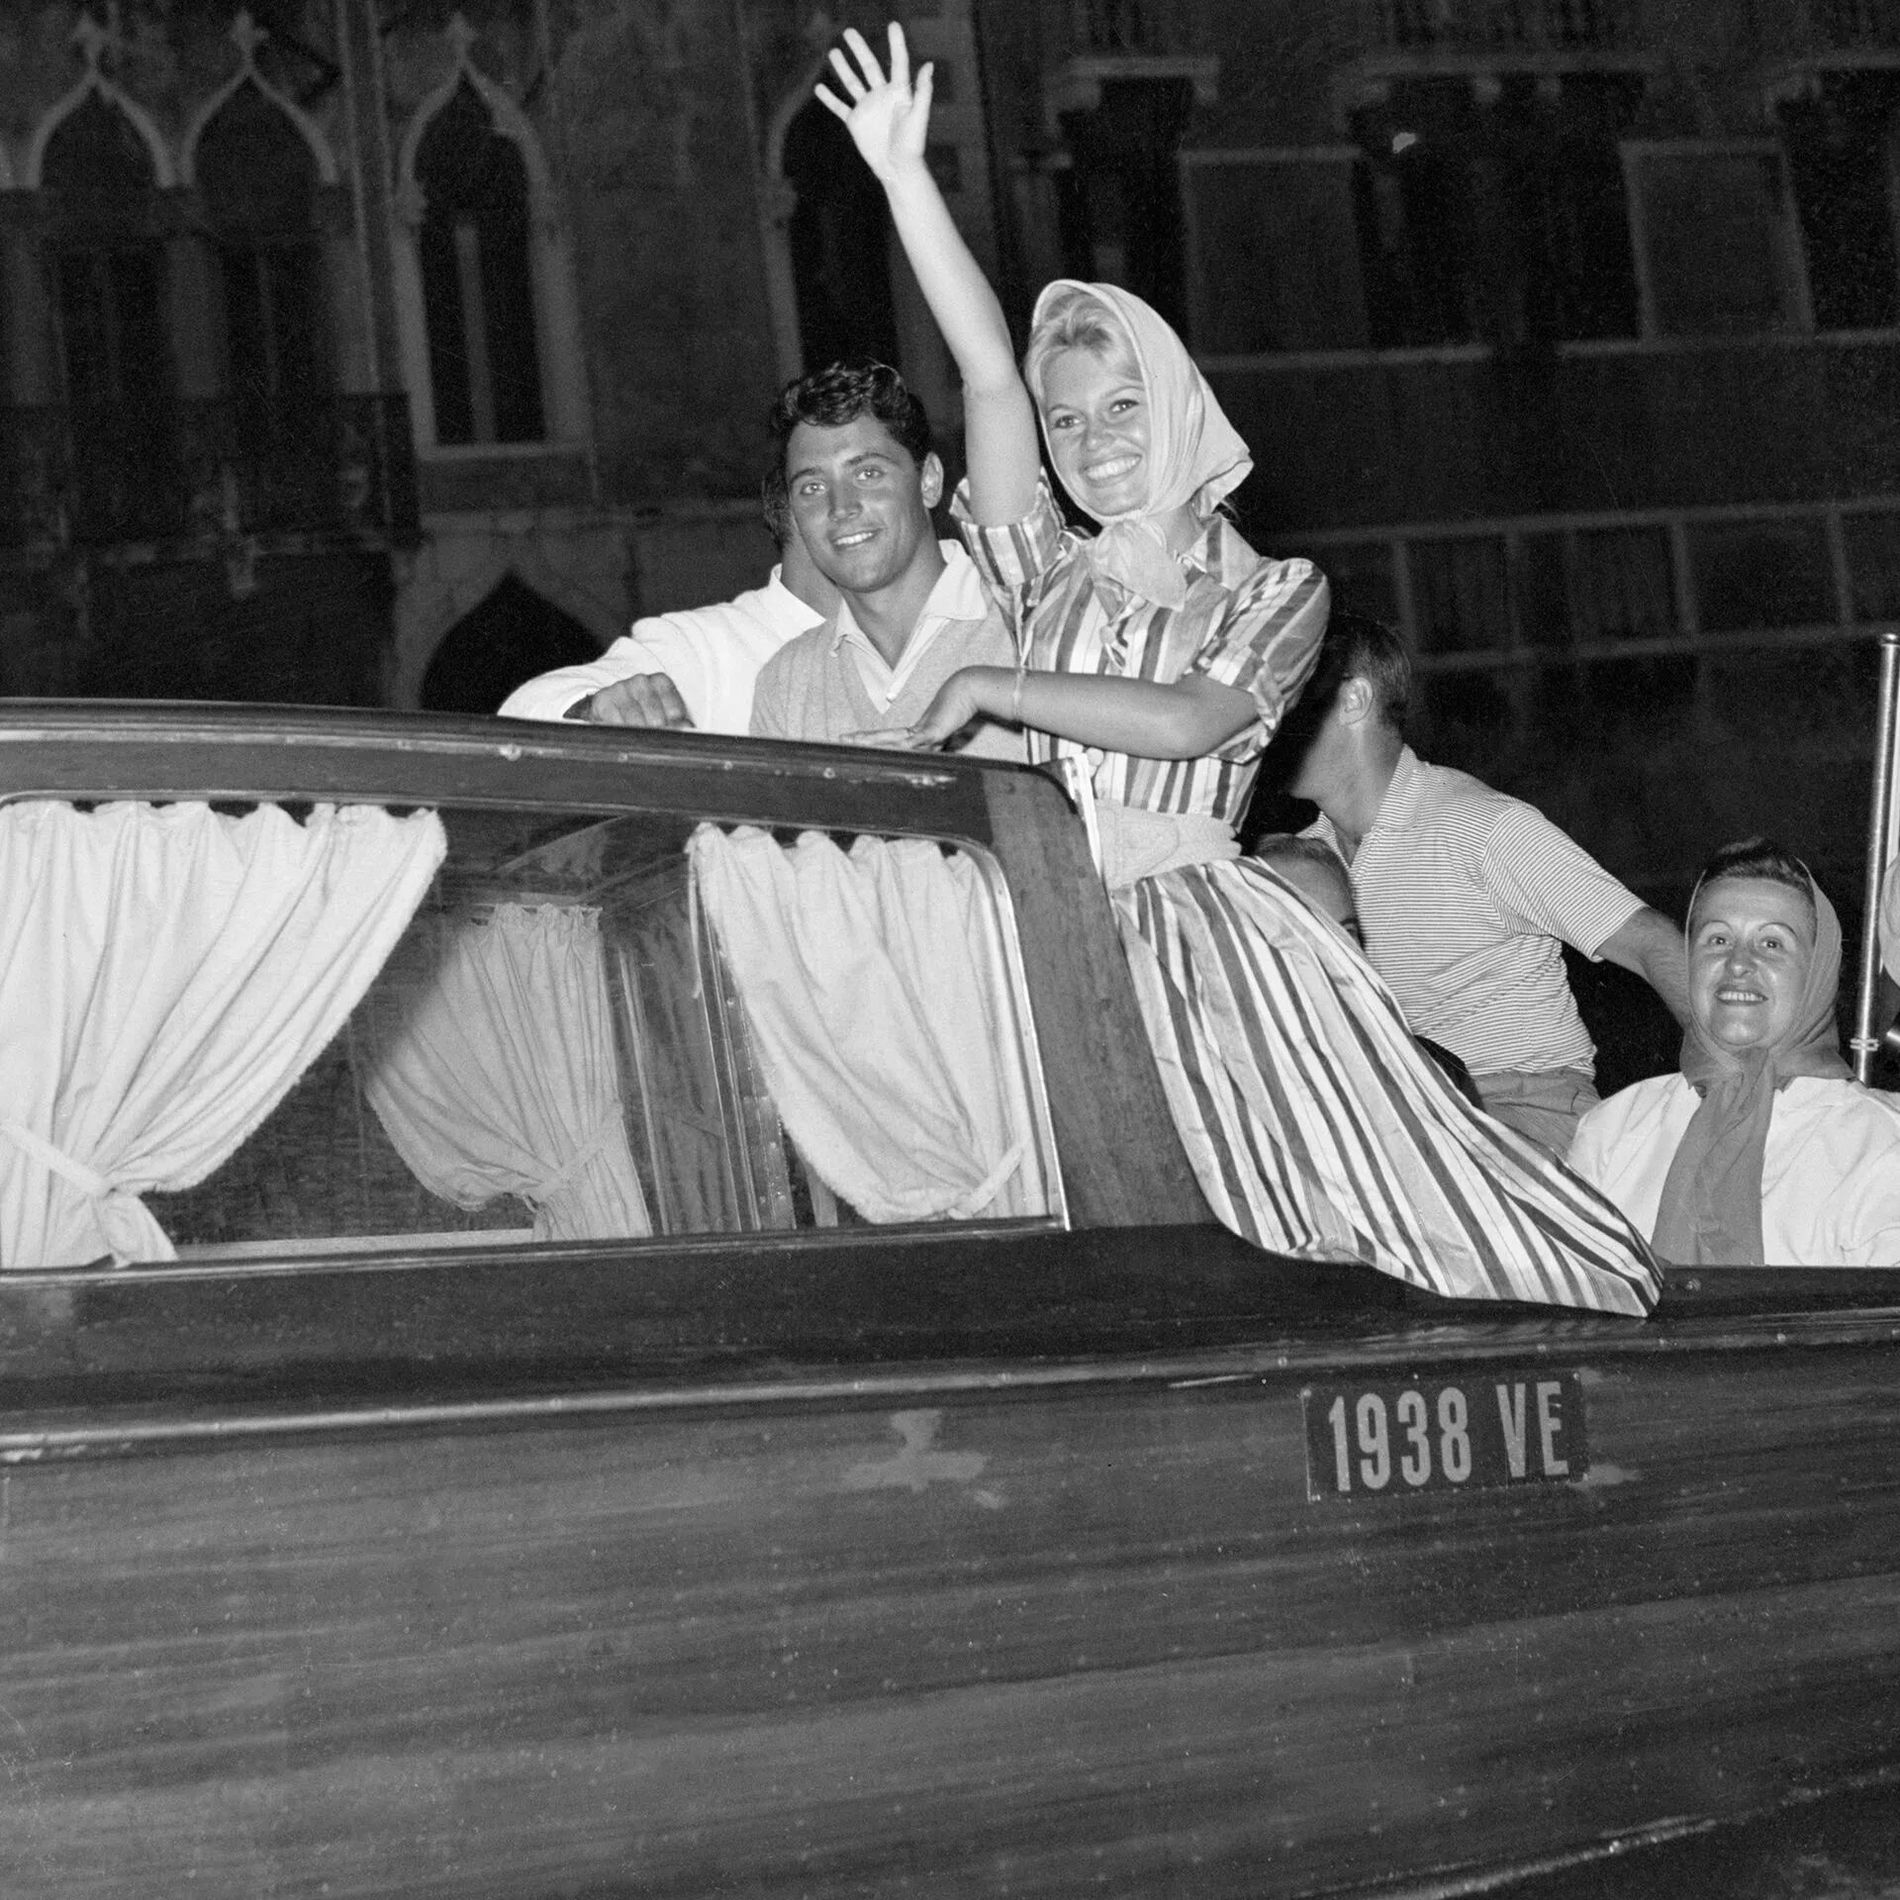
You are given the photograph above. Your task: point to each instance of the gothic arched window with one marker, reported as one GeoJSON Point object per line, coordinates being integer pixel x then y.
{"type": "Point", "coordinates": [259, 183]}
{"type": "Point", "coordinates": [840, 239]}
{"type": "Point", "coordinates": [477, 278]}
{"type": "Point", "coordinates": [106, 262]}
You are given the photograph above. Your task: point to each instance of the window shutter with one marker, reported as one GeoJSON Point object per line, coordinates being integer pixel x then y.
{"type": "Point", "coordinates": [1715, 250]}
{"type": "Point", "coordinates": [1275, 258]}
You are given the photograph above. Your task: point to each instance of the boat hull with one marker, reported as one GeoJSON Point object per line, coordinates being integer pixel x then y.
{"type": "Point", "coordinates": [1045, 1627]}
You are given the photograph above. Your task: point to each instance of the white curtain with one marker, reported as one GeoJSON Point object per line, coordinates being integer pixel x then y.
{"type": "Point", "coordinates": [166, 974]}
{"type": "Point", "coordinates": [494, 1070]}
{"type": "Point", "coordinates": [874, 984]}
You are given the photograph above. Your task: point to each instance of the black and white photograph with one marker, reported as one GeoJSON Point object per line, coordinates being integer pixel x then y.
{"type": "Point", "coordinates": [949, 949]}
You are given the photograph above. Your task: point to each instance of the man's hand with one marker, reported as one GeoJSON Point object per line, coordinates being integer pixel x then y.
{"type": "Point", "coordinates": [645, 699]}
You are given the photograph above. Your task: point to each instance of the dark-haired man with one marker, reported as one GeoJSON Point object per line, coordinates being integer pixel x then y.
{"type": "Point", "coordinates": [862, 479]}
{"type": "Point", "coordinates": [697, 666]}
{"type": "Point", "coordinates": [1465, 894]}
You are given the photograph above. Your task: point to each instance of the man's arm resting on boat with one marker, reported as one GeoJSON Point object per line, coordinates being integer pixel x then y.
{"type": "Point", "coordinates": [1651, 946]}
{"type": "Point", "coordinates": [642, 699]}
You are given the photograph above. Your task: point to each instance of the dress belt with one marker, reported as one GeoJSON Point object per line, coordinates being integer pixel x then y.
{"type": "Point", "coordinates": [1138, 844]}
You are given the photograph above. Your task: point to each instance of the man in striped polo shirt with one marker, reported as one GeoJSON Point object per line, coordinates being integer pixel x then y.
{"type": "Point", "coordinates": [1466, 895]}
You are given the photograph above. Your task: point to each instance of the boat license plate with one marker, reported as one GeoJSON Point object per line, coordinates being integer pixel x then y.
{"type": "Point", "coordinates": [1470, 1433]}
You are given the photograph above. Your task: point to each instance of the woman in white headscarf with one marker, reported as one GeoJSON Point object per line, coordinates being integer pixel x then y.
{"type": "Point", "coordinates": [1762, 1150]}
{"type": "Point", "coordinates": [1163, 650]}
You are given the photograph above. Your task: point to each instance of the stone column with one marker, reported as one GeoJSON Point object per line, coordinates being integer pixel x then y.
{"type": "Point", "coordinates": [196, 315]}
{"type": "Point", "coordinates": [32, 353]}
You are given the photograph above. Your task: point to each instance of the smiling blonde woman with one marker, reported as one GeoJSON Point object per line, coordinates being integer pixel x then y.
{"type": "Point", "coordinates": [1156, 655]}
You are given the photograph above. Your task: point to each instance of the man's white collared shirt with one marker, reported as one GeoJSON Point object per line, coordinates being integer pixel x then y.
{"type": "Point", "coordinates": [711, 654]}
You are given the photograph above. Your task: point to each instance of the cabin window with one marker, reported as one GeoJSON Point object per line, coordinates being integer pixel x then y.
{"type": "Point", "coordinates": [590, 1028]}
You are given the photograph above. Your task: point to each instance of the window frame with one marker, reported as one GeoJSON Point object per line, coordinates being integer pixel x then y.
{"type": "Point", "coordinates": [1795, 315]}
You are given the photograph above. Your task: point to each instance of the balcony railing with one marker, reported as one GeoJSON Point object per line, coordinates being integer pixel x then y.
{"type": "Point", "coordinates": [206, 475]}
{"type": "Point", "coordinates": [1111, 28]}
{"type": "Point", "coordinates": [1850, 26]}
{"type": "Point", "coordinates": [1517, 26]}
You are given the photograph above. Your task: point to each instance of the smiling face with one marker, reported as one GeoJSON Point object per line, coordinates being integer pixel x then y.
{"type": "Point", "coordinates": [1751, 941]}
{"type": "Point", "coordinates": [861, 504]}
{"type": "Point", "coordinates": [1096, 414]}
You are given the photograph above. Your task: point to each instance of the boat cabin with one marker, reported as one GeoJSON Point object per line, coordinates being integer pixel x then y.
{"type": "Point", "coordinates": [590, 1311]}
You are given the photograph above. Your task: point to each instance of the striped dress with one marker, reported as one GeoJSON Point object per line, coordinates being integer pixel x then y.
{"type": "Point", "coordinates": [1314, 1124]}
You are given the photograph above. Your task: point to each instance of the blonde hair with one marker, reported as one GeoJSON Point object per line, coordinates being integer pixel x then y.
{"type": "Point", "coordinates": [1077, 319]}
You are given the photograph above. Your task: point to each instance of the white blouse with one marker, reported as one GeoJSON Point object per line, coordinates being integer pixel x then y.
{"type": "Point", "coordinates": [1830, 1179]}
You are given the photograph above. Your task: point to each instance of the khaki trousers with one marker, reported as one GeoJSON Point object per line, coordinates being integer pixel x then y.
{"type": "Point", "coordinates": [1544, 1105]}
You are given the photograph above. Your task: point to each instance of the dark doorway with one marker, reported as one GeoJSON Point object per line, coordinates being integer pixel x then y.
{"type": "Point", "coordinates": [259, 183]}
{"type": "Point", "coordinates": [510, 637]}
{"type": "Point", "coordinates": [1119, 202]}
{"type": "Point", "coordinates": [106, 264]}
{"type": "Point", "coordinates": [1840, 147]}
{"type": "Point", "coordinates": [841, 246]}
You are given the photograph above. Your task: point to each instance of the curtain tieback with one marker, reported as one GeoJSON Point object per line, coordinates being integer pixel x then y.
{"type": "Point", "coordinates": [87, 1180]}
{"type": "Point", "coordinates": [583, 1157]}
{"type": "Point", "coordinates": [124, 1220]}
{"type": "Point", "coordinates": [991, 1185]}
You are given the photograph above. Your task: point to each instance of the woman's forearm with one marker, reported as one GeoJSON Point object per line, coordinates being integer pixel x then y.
{"type": "Point", "coordinates": [1186, 719]}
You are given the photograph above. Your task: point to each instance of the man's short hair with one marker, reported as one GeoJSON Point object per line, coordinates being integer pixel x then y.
{"type": "Point", "coordinates": [842, 392]}
{"type": "Point", "coordinates": [1355, 646]}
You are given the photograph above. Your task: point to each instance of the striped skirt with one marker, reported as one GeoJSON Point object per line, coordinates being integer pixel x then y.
{"type": "Point", "coordinates": [1319, 1129]}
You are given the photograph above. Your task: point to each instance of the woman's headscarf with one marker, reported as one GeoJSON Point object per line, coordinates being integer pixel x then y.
{"type": "Point", "coordinates": [1710, 1212]}
{"type": "Point", "coordinates": [1194, 453]}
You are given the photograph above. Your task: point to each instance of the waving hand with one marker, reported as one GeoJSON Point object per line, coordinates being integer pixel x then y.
{"type": "Point", "coordinates": [887, 118]}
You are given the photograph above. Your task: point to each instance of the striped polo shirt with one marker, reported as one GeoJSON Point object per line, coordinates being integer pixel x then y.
{"type": "Point", "coordinates": [1466, 896]}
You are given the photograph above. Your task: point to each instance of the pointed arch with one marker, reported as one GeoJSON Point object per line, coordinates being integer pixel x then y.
{"type": "Point", "coordinates": [92, 39]}
{"type": "Point", "coordinates": [838, 231]}
{"type": "Point", "coordinates": [778, 206]}
{"type": "Point", "coordinates": [512, 633]}
{"type": "Point", "coordinates": [100, 160]}
{"type": "Point", "coordinates": [503, 114]}
{"type": "Point", "coordinates": [581, 570]}
{"type": "Point", "coordinates": [792, 101]}
{"type": "Point", "coordinates": [260, 274]}
{"type": "Point", "coordinates": [247, 37]}
{"type": "Point", "coordinates": [435, 303]}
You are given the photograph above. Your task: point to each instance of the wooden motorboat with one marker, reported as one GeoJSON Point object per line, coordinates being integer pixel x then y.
{"type": "Point", "coordinates": [777, 1551]}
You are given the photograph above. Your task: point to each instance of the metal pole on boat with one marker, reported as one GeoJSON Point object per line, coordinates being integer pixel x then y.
{"type": "Point", "coordinates": [1882, 824]}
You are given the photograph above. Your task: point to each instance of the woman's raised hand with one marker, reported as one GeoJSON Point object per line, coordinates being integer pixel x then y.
{"type": "Point", "coordinates": [887, 118]}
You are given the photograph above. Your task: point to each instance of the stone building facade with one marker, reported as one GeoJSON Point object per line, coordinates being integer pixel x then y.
{"type": "Point", "coordinates": [376, 353]}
